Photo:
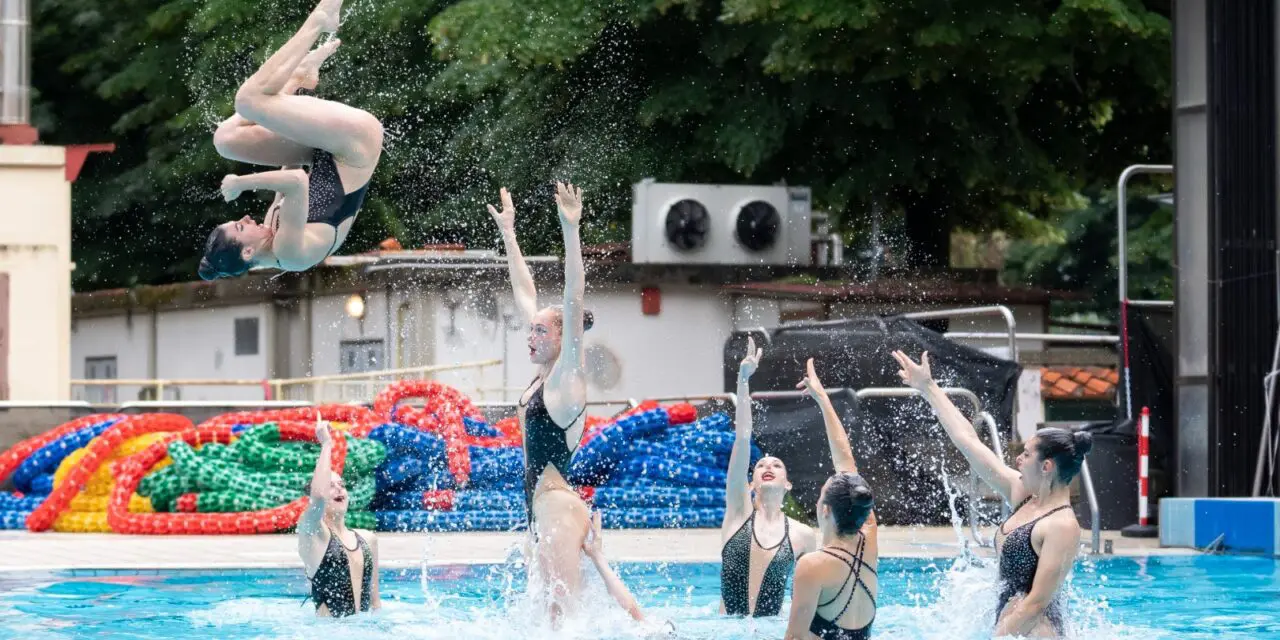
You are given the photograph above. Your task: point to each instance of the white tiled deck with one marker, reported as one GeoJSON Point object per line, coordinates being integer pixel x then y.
{"type": "Point", "coordinates": [24, 551]}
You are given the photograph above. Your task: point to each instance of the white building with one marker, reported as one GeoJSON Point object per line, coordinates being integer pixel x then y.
{"type": "Point", "coordinates": [659, 330]}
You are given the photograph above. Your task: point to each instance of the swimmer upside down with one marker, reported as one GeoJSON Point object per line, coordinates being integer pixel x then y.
{"type": "Point", "coordinates": [277, 124]}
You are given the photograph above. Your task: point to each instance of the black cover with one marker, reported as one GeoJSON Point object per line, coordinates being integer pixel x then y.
{"type": "Point", "coordinates": [899, 445]}
{"type": "Point", "coordinates": [1151, 340]}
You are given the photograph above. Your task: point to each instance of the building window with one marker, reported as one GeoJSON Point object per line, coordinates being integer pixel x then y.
{"type": "Point", "coordinates": [100, 368]}
{"type": "Point", "coordinates": [360, 356]}
{"type": "Point", "coordinates": [246, 336]}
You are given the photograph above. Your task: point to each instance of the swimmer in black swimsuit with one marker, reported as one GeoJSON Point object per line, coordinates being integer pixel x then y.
{"type": "Point", "coordinates": [279, 123]}
{"type": "Point", "coordinates": [760, 543]}
{"type": "Point", "coordinates": [834, 595]}
{"type": "Point", "coordinates": [1037, 545]}
{"type": "Point", "coordinates": [341, 563]}
{"type": "Point", "coordinates": [551, 412]}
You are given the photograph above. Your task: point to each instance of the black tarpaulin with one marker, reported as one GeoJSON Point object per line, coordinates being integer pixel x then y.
{"type": "Point", "coordinates": [898, 443]}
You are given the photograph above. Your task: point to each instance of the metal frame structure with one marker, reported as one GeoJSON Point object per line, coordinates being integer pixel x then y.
{"type": "Point", "coordinates": [1122, 250]}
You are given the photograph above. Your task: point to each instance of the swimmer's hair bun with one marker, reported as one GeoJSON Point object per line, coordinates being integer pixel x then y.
{"type": "Point", "coordinates": [588, 320]}
{"type": "Point", "coordinates": [207, 272]}
{"type": "Point", "coordinates": [1083, 442]}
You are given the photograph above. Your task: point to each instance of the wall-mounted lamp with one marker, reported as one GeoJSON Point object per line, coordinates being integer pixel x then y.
{"type": "Point", "coordinates": [355, 306]}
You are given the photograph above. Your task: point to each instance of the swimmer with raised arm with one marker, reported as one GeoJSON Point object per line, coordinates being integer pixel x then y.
{"type": "Point", "coordinates": [341, 563]}
{"type": "Point", "coordinates": [1037, 545]}
{"type": "Point", "coordinates": [835, 590]}
{"type": "Point", "coordinates": [760, 543]}
{"type": "Point", "coordinates": [276, 124]}
{"type": "Point", "coordinates": [552, 412]}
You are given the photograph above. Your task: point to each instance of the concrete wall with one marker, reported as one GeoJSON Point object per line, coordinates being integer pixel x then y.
{"type": "Point", "coordinates": [35, 252]}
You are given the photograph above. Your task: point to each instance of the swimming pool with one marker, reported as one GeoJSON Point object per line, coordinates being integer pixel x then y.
{"type": "Point", "coordinates": [1157, 597]}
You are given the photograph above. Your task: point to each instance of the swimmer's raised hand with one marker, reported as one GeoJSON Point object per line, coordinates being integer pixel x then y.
{"type": "Point", "coordinates": [751, 361]}
{"type": "Point", "coordinates": [506, 218]}
{"type": "Point", "coordinates": [569, 201]}
{"type": "Point", "coordinates": [916, 376]}
{"type": "Point", "coordinates": [231, 188]}
{"type": "Point", "coordinates": [810, 385]}
{"type": "Point", "coordinates": [322, 434]}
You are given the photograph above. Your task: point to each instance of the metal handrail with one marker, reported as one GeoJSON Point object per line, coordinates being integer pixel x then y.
{"type": "Point", "coordinates": [1122, 226]}
{"type": "Point", "coordinates": [1095, 526]}
{"type": "Point", "coordinates": [1079, 338]}
{"type": "Point", "coordinates": [25, 404]}
{"type": "Point", "coordinates": [229, 404]}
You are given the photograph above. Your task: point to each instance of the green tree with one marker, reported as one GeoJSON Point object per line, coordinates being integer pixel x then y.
{"type": "Point", "coordinates": [973, 114]}
{"type": "Point", "coordinates": [1081, 253]}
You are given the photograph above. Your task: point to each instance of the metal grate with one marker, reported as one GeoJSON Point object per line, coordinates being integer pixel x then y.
{"type": "Point", "coordinates": [1242, 234]}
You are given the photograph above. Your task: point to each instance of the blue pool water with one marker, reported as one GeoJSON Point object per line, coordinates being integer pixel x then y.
{"type": "Point", "coordinates": [1160, 597]}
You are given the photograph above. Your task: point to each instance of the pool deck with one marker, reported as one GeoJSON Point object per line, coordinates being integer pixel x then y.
{"type": "Point", "coordinates": [25, 551]}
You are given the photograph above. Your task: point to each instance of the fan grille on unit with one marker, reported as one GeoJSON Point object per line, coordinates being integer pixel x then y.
{"type": "Point", "coordinates": [687, 225]}
{"type": "Point", "coordinates": [757, 225]}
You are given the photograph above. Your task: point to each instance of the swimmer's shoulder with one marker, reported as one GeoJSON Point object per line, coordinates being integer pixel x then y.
{"type": "Point", "coordinates": [1061, 526]}
{"type": "Point", "coordinates": [803, 538]}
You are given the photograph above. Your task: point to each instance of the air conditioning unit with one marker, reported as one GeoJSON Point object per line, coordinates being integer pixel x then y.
{"type": "Point", "coordinates": [675, 223]}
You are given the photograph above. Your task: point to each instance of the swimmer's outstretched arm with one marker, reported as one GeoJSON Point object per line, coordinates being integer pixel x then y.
{"type": "Point", "coordinates": [837, 438]}
{"type": "Point", "coordinates": [842, 459]}
{"type": "Point", "coordinates": [310, 524]}
{"type": "Point", "coordinates": [737, 498]}
{"type": "Point", "coordinates": [989, 466]}
{"type": "Point", "coordinates": [571, 365]}
{"type": "Point", "coordinates": [526, 294]}
{"type": "Point", "coordinates": [594, 548]}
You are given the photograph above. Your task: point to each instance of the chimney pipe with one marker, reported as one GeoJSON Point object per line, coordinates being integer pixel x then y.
{"type": "Point", "coordinates": [15, 63]}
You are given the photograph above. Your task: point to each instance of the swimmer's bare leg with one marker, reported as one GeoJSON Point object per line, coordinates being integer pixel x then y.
{"type": "Point", "coordinates": [243, 140]}
{"type": "Point", "coordinates": [352, 135]}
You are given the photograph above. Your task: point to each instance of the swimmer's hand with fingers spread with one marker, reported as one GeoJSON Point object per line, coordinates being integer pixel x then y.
{"type": "Point", "coordinates": [593, 546]}
{"type": "Point", "coordinates": [569, 202]}
{"type": "Point", "coordinates": [506, 219]}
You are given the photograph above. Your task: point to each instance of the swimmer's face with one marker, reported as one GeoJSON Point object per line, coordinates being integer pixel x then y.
{"type": "Point", "coordinates": [337, 494]}
{"type": "Point", "coordinates": [246, 232]}
{"type": "Point", "coordinates": [1034, 470]}
{"type": "Point", "coordinates": [770, 474]}
{"type": "Point", "coordinates": [544, 337]}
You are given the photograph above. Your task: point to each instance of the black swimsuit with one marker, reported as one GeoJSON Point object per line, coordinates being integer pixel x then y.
{"type": "Point", "coordinates": [735, 571]}
{"type": "Point", "coordinates": [1018, 563]}
{"type": "Point", "coordinates": [827, 629]}
{"type": "Point", "coordinates": [327, 200]}
{"type": "Point", "coordinates": [544, 445]}
{"type": "Point", "coordinates": [331, 584]}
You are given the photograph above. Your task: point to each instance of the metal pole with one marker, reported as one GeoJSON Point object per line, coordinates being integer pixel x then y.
{"type": "Point", "coordinates": [1096, 527]}
{"type": "Point", "coordinates": [1122, 243]}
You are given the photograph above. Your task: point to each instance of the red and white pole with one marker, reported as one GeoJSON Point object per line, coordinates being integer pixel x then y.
{"type": "Point", "coordinates": [1144, 448]}
{"type": "Point", "coordinates": [1143, 529]}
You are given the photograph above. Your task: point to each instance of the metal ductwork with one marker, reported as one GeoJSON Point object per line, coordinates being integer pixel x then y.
{"type": "Point", "coordinates": [15, 62]}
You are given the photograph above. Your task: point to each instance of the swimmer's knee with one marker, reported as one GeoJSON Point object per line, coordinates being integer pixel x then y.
{"type": "Point", "coordinates": [249, 100]}
{"type": "Point", "coordinates": [225, 139]}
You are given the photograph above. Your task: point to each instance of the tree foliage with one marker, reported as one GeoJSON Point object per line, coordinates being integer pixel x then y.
{"type": "Point", "coordinates": [948, 113]}
{"type": "Point", "coordinates": [1082, 255]}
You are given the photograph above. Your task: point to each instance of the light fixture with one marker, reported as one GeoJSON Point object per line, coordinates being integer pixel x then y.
{"type": "Point", "coordinates": [355, 306]}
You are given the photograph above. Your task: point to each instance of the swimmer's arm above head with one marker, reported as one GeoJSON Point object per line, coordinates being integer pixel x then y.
{"type": "Point", "coordinates": [309, 524]}
{"type": "Point", "coordinates": [989, 466]}
{"type": "Point", "coordinates": [842, 459]}
{"type": "Point", "coordinates": [522, 286]}
{"type": "Point", "coordinates": [805, 589]}
{"type": "Point", "coordinates": [737, 497]}
{"type": "Point", "coordinates": [1057, 555]}
{"type": "Point", "coordinates": [593, 546]}
{"type": "Point", "coordinates": [569, 204]}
